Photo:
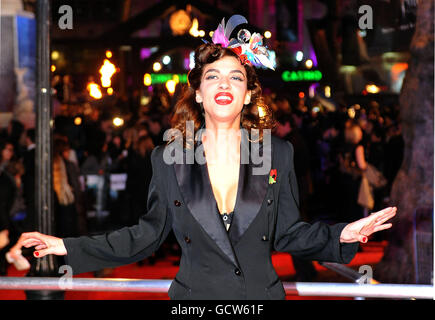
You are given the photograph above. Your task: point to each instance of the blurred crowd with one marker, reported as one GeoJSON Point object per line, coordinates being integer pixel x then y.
{"type": "Point", "coordinates": [333, 147]}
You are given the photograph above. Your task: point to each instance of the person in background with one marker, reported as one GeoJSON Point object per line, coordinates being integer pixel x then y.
{"type": "Point", "coordinates": [12, 210]}
{"type": "Point", "coordinates": [139, 176]}
{"type": "Point", "coordinates": [117, 153]}
{"type": "Point", "coordinates": [352, 163]}
{"type": "Point", "coordinates": [283, 106]}
{"type": "Point", "coordinates": [66, 187]}
{"type": "Point", "coordinates": [155, 129]}
{"type": "Point", "coordinates": [394, 150]}
{"type": "Point", "coordinates": [286, 129]}
{"type": "Point", "coordinates": [7, 193]}
{"type": "Point", "coordinates": [6, 154]}
{"type": "Point", "coordinates": [13, 134]}
{"type": "Point", "coordinates": [97, 160]}
{"type": "Point", "coordinates": [29, 180]}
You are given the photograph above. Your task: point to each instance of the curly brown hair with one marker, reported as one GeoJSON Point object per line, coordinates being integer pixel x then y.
{"type": "Point", "coordinates": [187, 109]}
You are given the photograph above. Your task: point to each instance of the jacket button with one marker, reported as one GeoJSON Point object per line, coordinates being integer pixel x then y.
{"type": "Point", "coordinates": [237, 272]}
{"type": "Point", "coordinates": [187, 239]}
{"type": "Point", "coordinates": [269, 201]}
{"type": "Point", "coordinates": [177, 203]}
{"type": "Point", "coordinates": [264, 238]}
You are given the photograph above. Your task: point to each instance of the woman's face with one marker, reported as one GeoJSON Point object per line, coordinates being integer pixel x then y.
{"type": "Point", "coordinates": [7, 152]}
{"type": "Point", "coordinates": [65, 153]}
{"type": "Point", "coordinates": [223, 90]}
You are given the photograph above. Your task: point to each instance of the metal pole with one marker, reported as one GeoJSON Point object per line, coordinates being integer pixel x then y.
{"type": "Point", "coordinates": [46, 266]}
{"type": "Point", "coordinates": [85, 284]}
{"type": "Point", "coordinates": [392, 291]}
{"type": "Point", "coordinates": [395, 291]}
{"type": "Point", "coordinates": [342, 270]}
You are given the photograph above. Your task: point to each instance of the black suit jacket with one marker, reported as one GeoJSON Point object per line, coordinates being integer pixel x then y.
{"type": "Point", "coordinates": [216, 264]}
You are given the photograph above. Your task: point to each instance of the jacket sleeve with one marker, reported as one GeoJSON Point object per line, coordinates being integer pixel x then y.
{"type": "Point", "coordinates": [129, 244]}
{"type": "Point", "coordinates": [318, 241]}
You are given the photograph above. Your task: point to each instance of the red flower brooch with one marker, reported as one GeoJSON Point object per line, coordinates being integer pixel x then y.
{"type": "Point", "coordinates": [272, 176]}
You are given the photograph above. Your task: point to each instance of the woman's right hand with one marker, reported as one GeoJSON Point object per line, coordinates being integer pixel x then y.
{"type": "Point", "coordinates": [44, 244]}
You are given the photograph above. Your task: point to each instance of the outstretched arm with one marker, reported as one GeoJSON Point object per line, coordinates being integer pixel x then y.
{"type": "Point", "coordinates": [320, 241]}
{"type": "Point", "coordinates": [120, 247]}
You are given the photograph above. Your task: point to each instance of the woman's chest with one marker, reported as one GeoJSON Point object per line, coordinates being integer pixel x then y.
{"type": "Point", "coordinates": [224, 180]}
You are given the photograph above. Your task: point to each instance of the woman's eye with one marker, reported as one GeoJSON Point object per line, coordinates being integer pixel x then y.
{"type": "Point", "coordinates": [211, 77]}
{"type": "Point", "coordinates": [238, 78]}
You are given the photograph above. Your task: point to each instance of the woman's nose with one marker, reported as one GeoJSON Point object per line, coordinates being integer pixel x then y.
{"type": "Point", "coordinates": [224, 83]}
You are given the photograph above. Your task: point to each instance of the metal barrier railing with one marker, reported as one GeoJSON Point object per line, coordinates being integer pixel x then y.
{"type": "Point", "coordinates": [350, 274]}
{"type": "Point", "coordinates": [394, 291]}
{"type": "Point", "coordinates": [347, 272]}
{"type": "Point", "coordinates": [84, 284]}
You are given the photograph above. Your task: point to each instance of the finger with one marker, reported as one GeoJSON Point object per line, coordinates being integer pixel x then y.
{"type": "Point", "coordinates": [384, 219]}
{"type": "Point", "coordinates": [380, 217]}
{"type": "Point", "coordinates": [368, 222]}
{"type": "Point", "coordinates": [41, 253]}
{"type": "Point", "coordinates": [22, 239]}
{"type": "Point", "coordinates": [31, 242]}
{"type": "Point", "coordinates": [362, 238]}
{"type": "Point", "coordinates": [29, 235]}
{"type": "Point", "coordinates": [375, 217]}
{"type": "Point", "coordinates": [383, 212]}
{"type": "Point", "coordinates": [40, 247]}
{"type": "Point", "coordinates": [386, 211]}
{"type": "Point", "coordinates": [383, 227]}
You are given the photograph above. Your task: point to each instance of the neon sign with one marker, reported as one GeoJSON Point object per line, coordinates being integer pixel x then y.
{"type": "Point", "coordinates": [156, 78]}
{"type": "Point", "coordinates": [301, 75]}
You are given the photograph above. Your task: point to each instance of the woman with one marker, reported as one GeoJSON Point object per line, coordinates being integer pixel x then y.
{"type": "Point", "coordinates": [12, 211]}
{"type": "Point", "coordinates": [13, 133]}
{"type": "Point", "coordinates": [7, 195]}
{"type": "Point", "coordinates": [196, 199]}
{"type": "Point", "coordinates": [67, 191]}
{"type": "Point", "coordinates": [352, 164]}
{"type": "Point", "coordinates": [6, 154]}
{"type": "Point", "coordinates": [139, 176]}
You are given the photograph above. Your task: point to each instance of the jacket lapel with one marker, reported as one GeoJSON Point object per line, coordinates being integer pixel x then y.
{"type": "Point", "coordinates": [251, 190]}
{"type": "Point", "coordinates": [198, 195]}
{"type": "Point", "coordinates": [195, 186]}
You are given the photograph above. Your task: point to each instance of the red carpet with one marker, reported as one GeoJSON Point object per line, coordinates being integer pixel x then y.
{"type": "Point", "coordinates": [371, 254]}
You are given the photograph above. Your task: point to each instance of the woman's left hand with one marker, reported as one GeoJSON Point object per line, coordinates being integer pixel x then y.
{"type": "Point", "coordinates": [361, 229]}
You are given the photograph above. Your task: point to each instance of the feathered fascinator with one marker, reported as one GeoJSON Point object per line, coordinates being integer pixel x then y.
{"type": "Point", "coordinates": [248, 47]}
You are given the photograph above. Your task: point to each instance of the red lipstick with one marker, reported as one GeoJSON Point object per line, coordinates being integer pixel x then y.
{"type": "Point", "coordinates": [223, 98]}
